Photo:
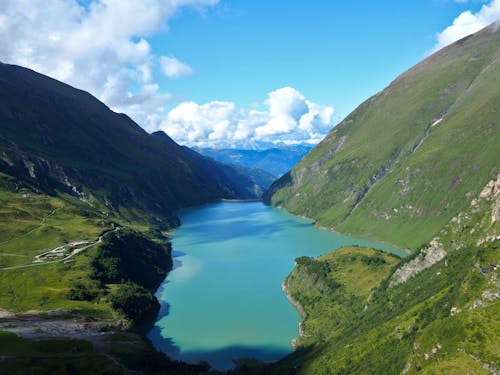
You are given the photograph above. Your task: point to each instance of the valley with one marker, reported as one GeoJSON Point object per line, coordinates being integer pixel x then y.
{"type": "Point", "coordinates": [376, 251]}
{"type": "Point", "coordinates": [233, 257]}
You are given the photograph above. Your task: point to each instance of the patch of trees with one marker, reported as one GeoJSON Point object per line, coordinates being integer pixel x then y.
{"type": "Point", "coordinates": [128, 256]}
{"type": "Point", "coordinates": [137, 264]}
{"type": "Point", "coordinates": [375, 260]}
{"type": "Point", "coordinates": [319, 271]}
{"type": "Point", "coordinates": [135, 302]}
{"type": "Point", "coordinates": [89, 290]}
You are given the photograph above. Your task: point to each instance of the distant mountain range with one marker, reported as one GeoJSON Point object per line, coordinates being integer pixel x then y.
{"type": "Point", "coordinates": [274, 160]}
{"type": "Point", "coordinates": [409, 158]}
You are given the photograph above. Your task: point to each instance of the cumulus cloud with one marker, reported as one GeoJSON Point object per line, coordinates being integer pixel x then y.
{"type": "Point", "coordinates": [174, 68]}
{"type": "Point", "coordinates": [190, 122]}
{"type": "Point", "coordinates": [286, 117]}
{"type": "Point", "coordinates": [468, 23]}
{"type": "Point", "coordinates": [99, 46]}
{"type": "Point", "coordinates": [102, 46]}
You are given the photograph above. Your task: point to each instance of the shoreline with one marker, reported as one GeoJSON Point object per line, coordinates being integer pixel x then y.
{"type": "Point", "coordinates": [76, 327]}
{"type": "Point", "coordinates": [225, 200]}
{"type": "Point", "coordinates": [299, 309]}
{"type": "Point", "coordinates": [407, 252]}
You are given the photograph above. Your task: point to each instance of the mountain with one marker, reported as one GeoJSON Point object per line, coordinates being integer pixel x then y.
{"type": "Point", "coordinates": [435, 312]}
{"type": "Point", "coordinates": [260, 178]}
{"type": "Point", "coordinates": [58, 138]}
{"type": "Point", "coordinates": [275, 160]}
{"type": "Point", "coordinates": [87, 199]}
{"type": "Point", "coordinates": [408, 159]}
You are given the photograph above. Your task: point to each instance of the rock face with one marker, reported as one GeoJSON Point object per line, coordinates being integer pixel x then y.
{"type": "Point", "coordinates": [492, 192]}
{"type": "Point", "coordinates": [489, 198]}
{"type": "Point", "coordinates": [427, 257]}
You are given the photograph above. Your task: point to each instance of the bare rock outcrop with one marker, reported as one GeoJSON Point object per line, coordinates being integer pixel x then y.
{"type": "Point", "coordinates": [435, 251]}
{"type": "Point", "coordinates": [432, 254]}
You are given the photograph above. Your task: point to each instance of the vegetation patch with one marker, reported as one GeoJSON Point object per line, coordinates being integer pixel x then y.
{"type": "Point", "coordinates": [129, 256]}
{"type": "Point", "coordinates": [442, 319]}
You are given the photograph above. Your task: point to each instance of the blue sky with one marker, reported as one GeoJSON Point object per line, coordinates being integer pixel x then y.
{"type": "Point", "coordinates": [334, 52]}
{"type": "Point", "coordinates": [233, 73]}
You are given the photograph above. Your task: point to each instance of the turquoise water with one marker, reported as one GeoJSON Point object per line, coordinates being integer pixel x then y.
{"type": "Point", "coordinates": [223, 300]}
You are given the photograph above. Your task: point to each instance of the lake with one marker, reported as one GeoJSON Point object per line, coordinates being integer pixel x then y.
{"type": "Point", "coordinates": [223, 300]}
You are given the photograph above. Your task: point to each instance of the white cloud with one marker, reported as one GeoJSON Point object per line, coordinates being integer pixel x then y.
{"type": "Point", "coordinates": [287, 117]}
{"type": "Point", "coordinates": [189, 122]}
{"type": "Point", "coordinates": [101, 47]}
{"type": "Point", "coordinates": [174, 68]}
{"type": "Point", "coordinates": [468, 23]}
{"type": "Point", "coordinates": [286, 107]}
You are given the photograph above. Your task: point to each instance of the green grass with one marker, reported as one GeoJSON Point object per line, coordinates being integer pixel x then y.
{"type": "Point", "coordinates": [45, 288]}
{"type": "Point", "coordinates": [12, 345]}
{"type": "Point", "coordinates": [343, 276]}
{"type": "Point", "coordinates": [32, 223]}
{"type": "Point", "coordinates": [51, 356]}
{"type": "Point", "coordinates": [430, 324]}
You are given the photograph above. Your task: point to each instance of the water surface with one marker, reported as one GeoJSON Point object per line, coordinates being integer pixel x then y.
{"type": "Point", "coordinates": [223, 300]}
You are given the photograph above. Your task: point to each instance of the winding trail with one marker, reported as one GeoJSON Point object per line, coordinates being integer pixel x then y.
{"type": "Point", "coordinates": [73, 253]}
{"type": "Point", "coordinates": [42, 223]}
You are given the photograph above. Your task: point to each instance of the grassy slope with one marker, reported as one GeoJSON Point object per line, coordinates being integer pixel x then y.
{"type": "Point", "coordinates": [443, 320]}
{"type": "Point", "coordinates": [351, 273]}
{"type": "Point", "coordinates": [405, 195]}
{"type": "Point", "coordinates": [31, 223]}
{"type": "Point", "coordinates": [34, 223]}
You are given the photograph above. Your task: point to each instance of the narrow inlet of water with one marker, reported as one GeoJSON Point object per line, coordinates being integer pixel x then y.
{"type": "Point", "coordinates": [223, 300]}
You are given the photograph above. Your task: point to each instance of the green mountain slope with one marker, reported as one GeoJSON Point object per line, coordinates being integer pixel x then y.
{"type": "Point", "coordinates": [86, 201]}
{"type": "Point", "coordinates": [60, 138]}
{"type": "Point", "coordinates": [435, 312]}
{"type": "Point", "coordinates": [71, 173]}
{"type": "Point", "coordinates": [404, 162]}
